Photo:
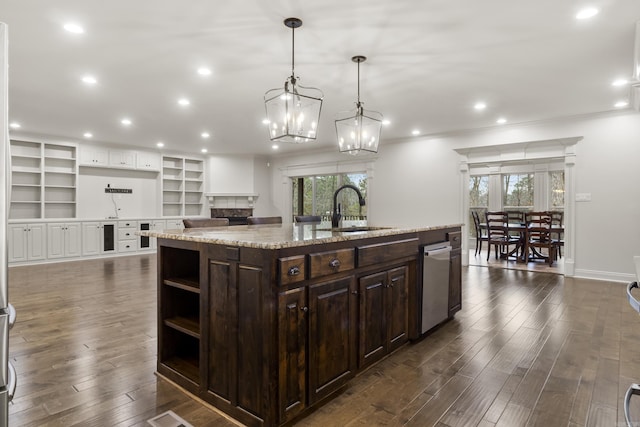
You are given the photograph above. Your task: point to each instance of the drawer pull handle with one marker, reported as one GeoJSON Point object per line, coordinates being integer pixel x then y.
{"type": "Point", "coordinates": [335, 264]}
{"type": "Point", "coordinates": [294, 271]}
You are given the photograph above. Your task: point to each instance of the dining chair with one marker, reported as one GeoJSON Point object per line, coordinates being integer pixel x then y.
{"type": "Point", "coordinates": [557, 219]}
{"type": "Point", "coordinates": [205, 222]}
{"type": "Point", "coordinates": [481, 231]}
{"type": "Point", "coordinates": [498, 234]}
{"type": "Point", "coordinates": [539, 237]}
{"type": "Point", "coordinates": [307, 218]}
{"type": "Point", "coordinates": [254, 220]}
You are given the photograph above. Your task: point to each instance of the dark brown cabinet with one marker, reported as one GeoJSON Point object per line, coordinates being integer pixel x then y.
{"type": "Point", "coordinates": [266, 334]}
{"type": "Point", "coordinates": [322, 319]}
{"type": "Point", "coordinates": [179, 322]}
{"type": "Point", "coordinates": [383, 314]}
{"type": "Point", "coordinates": [332, 336]}
{"type": "Point", "coordinates": [292, 345]}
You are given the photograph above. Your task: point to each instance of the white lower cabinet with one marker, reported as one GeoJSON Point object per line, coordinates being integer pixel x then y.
{"type": "Point", "coordinates": [64, 240]}
{"type": "Point", "coordinates": [127, 239]}
{"type": "Point", "coordinates": [27, 242]}
{"type": "Point", "coordinates": [98, 237]}
{"type": "Point", "coordinates": [38, 241]}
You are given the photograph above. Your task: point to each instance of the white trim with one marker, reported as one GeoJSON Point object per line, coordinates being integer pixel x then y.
{"type": "Point", "coordinates": [609, 276]}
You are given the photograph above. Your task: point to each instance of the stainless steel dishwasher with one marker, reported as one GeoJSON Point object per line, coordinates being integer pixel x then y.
{"type": "Point", "coordinates": [435, 284]}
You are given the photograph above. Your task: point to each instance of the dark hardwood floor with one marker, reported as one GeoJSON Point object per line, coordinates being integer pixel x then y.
{"type": "Point", "coordinates": [528, 348]}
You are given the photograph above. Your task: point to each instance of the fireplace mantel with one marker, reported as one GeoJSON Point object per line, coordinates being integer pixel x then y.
{"type": "Point", "coordinates": [231, 200]}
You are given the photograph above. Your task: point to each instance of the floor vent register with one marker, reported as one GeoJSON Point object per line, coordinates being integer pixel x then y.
{"type": "Point", "coordinates": [168, 419]}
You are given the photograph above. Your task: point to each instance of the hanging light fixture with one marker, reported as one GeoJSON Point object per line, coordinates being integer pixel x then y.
{"type": "Point", "coordinates": [358, 130]}
{"type": "Point", "coordinates": [293, 113]}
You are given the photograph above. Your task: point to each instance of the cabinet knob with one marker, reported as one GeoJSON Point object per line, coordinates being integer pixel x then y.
{"type": "Point", "coordinates": [305, 309]}
{"type": "Point", "coordinates": [335, 263]}
{"type": "Point", "coordinates": [354, 292]}
{"type": "Point", "coordinates": [293, 271]}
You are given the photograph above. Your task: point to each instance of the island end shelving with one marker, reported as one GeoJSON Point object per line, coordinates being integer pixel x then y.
{"type": "Point", "coordinates": [267, 322]}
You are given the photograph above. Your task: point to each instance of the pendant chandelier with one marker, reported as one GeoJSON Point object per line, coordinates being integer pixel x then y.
{"type": "Point", "coordinates": [358, 130]}
{"type": "Point", "coordinates": [293, 113]}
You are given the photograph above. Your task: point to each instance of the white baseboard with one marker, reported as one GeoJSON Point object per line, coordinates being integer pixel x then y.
{"type": "Point", "coordinates": [610, 276]}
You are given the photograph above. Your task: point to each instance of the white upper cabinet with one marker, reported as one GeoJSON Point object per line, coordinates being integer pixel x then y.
{"type": "Point", "coordinates": [122, 159]}
{"type": "Point", "coordinates": [148, 161]}
{"type": "Point", "coordinates": [94, 156]}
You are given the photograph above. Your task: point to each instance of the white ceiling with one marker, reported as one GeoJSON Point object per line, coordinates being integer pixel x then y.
{"type": "Point", "coordinates": [428, 62]}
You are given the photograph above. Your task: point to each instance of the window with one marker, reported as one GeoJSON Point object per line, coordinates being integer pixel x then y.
{"type": "Point", "coordinates": [556, 179]}
{"type": "Point", "coordinates": [478, 197]}
{"type": "Point", "coordinates": [313, 195]}
{"type": "Point", "coordinates": [517, 191]}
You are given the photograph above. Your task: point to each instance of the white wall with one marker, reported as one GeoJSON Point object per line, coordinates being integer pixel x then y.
{"type": "Point", "coordinates": [93, 202]}
{"type": "Point", "coordinates": [229, 174]}
{"type": "Point", "coordinates": [417, 182]}
{"type": "Point", "coordinates": [243, 175]}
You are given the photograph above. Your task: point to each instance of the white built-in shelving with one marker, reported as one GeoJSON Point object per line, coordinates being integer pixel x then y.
{"type": "Point", "coordinates": [182, 186]}
{"type": "Point", "coordinates": [43, 180]}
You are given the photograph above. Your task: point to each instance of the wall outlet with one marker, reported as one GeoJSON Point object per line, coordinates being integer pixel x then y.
{"type": "Point", "coordinates": [583, 197]}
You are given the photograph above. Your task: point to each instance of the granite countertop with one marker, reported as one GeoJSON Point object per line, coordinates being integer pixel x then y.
{"type": "Point", "coordinates": [282, 236]}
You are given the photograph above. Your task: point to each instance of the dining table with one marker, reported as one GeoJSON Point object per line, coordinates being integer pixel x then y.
{"type": "Point", "coordinates": [523, 252]}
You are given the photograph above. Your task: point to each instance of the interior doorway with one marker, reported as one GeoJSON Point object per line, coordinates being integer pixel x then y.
{"type": "Point", "coordinates": [534, 166]}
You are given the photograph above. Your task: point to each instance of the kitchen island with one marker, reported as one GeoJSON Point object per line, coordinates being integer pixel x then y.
{"type": "Point", "coordinates": [265, 322]}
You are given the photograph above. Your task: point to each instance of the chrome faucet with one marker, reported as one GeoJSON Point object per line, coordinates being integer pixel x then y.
{"type": "Point", "coordinates": [337, 216]}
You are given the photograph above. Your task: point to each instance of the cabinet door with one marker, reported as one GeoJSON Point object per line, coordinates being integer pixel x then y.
{"type": "Point", "coordinates": [37, 241]}
{"type": "Point", "coordinates": [292, 333]}
{"type": "Point", "coordinates": [93, 156]}
{"type": "Point", "coordinates": [397, 308]}
{"type": "Point", "coordinates": [148, 161]}
{"type": "Point", "coordinates": [455, 282]}
{"type": "Point", "coordinates": [17, 242]}
{"type": "Point", "coordinates": [122, 158]}
{"type": "Point", "coordinates": [332, 336]}
{"type": "Point", "coordinates": [72, 240]}
{"type": "Point", "coordinates": [55, 240]}
{"type": "Point", "coordinates": [372, 315]}
{"type": "Point", "coordinates": [91, 238]}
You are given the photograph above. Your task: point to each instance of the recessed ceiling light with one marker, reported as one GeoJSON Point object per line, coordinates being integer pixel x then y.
{"type": "Point", "coordinates": [183, 102]}
{"type": "Point", "coordinates": [501, 121]}
{"type": "Point", "coordinates": [587, 13]}
{"type": "Point", "coordinates": [205, 134]}
{"type": "Point", "coordinates": [619, 82]}
{"type": "Point", "coordinates": [90, 80]}
{"type": "Point", "coordinates": [160, 144]}
{"type": "Point", "coordinates": [386, 122]}
{"type": "Point", "coordinates": [73, 28]}
{"type": "Point", "coordinates": [265, 121]}
{"type": "Point", "coordinates": [415, 132]}
{"type": "Point", "coordinates": [275, 146]}
{"type": "Point", "coordinates": [621, 104]}
{"type": "Point", "coordinates": [15, 125]}
{"type": "Point", "coordinates": [126, 121]}
{"type": "Point", "coordinates": [480, 105]}
{"type": "Point", "coordinates": [204, 71]}
{"type": "Point", "coordinates": [87, 135]}
{"type": "Point", "coordinates": [204, 150]}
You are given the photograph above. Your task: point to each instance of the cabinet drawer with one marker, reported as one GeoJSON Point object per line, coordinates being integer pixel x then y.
{"type": "Point", "coordinates": [124, 224]}
{"type": "Point", "coordinates": [127, 246]}
{"type": "Point", "coordinates": [455, 238]}
{"type": "Point", "coordinates": [330, 262]}
{"type": "Point", "coordinates": [388, 251]}
{"type": "Point", "coordinates": [126, 234]}
{"type": "Point", "coordinates": [292, 269]}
